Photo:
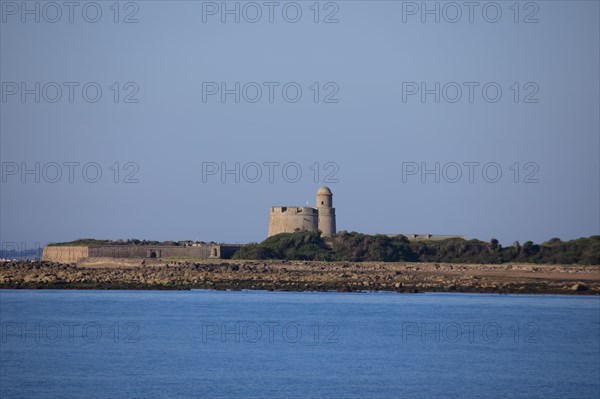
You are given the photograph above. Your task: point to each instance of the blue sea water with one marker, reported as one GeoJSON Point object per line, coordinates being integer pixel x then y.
{"type": "Point", "coordinates": [254, 344]}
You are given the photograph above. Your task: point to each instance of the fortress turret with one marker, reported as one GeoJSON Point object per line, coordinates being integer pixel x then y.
{"type": "Point", "coordinates": [326, 211]}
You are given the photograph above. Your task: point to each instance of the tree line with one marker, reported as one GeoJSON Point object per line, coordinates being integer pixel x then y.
{"type": "Point", "coordinates": [357, 247]}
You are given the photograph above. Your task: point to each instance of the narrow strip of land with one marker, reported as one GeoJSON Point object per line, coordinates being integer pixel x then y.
{"type": "Point", "coordinates": [306, 276]}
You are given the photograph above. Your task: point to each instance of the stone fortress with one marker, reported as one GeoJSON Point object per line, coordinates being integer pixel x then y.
{"type": "Point", "coordinates": [282, 219]}
{"type": "Point", "coordinates": [287, 219]}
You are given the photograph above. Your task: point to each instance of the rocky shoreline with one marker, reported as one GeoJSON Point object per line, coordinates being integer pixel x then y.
{"type": "Point", "coordinates": [307, 276]}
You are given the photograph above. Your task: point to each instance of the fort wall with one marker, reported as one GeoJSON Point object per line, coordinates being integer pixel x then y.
{"type": "Point", "coordinates": [102, 263]}
{"type": "Point", "coordinates": [65, 253]}
{"type": "Point", "coordinates": [286, 219]}
{"type": "Point", "coordinates": [151, 251]}
{"type": "Point", "coordinates": [76, 253]}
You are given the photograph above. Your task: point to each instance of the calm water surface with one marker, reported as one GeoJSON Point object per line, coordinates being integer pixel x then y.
{"type": "Point", "coordinates": [170, 344]}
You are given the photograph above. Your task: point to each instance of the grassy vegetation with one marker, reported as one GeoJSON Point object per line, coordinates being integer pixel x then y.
{"type": "Point", "coordinates": [82, 242]}
{"type": "Point", "coordinates": [130, 241]}
{"type": "Point", "coordinates": [303, 245]}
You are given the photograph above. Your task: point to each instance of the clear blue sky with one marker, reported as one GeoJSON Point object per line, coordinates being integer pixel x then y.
{"type": "Point", "coordinates": [366, 61]}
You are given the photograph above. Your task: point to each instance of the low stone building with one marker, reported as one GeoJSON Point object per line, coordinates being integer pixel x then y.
{"type": "Point", "coordinates": [427, 237]}
{"type": "Point", "coordinates": [77, 253]}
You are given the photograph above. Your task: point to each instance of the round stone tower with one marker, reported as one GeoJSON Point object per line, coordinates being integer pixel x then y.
{"type": "Point", "coordinates": [326, 211]}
